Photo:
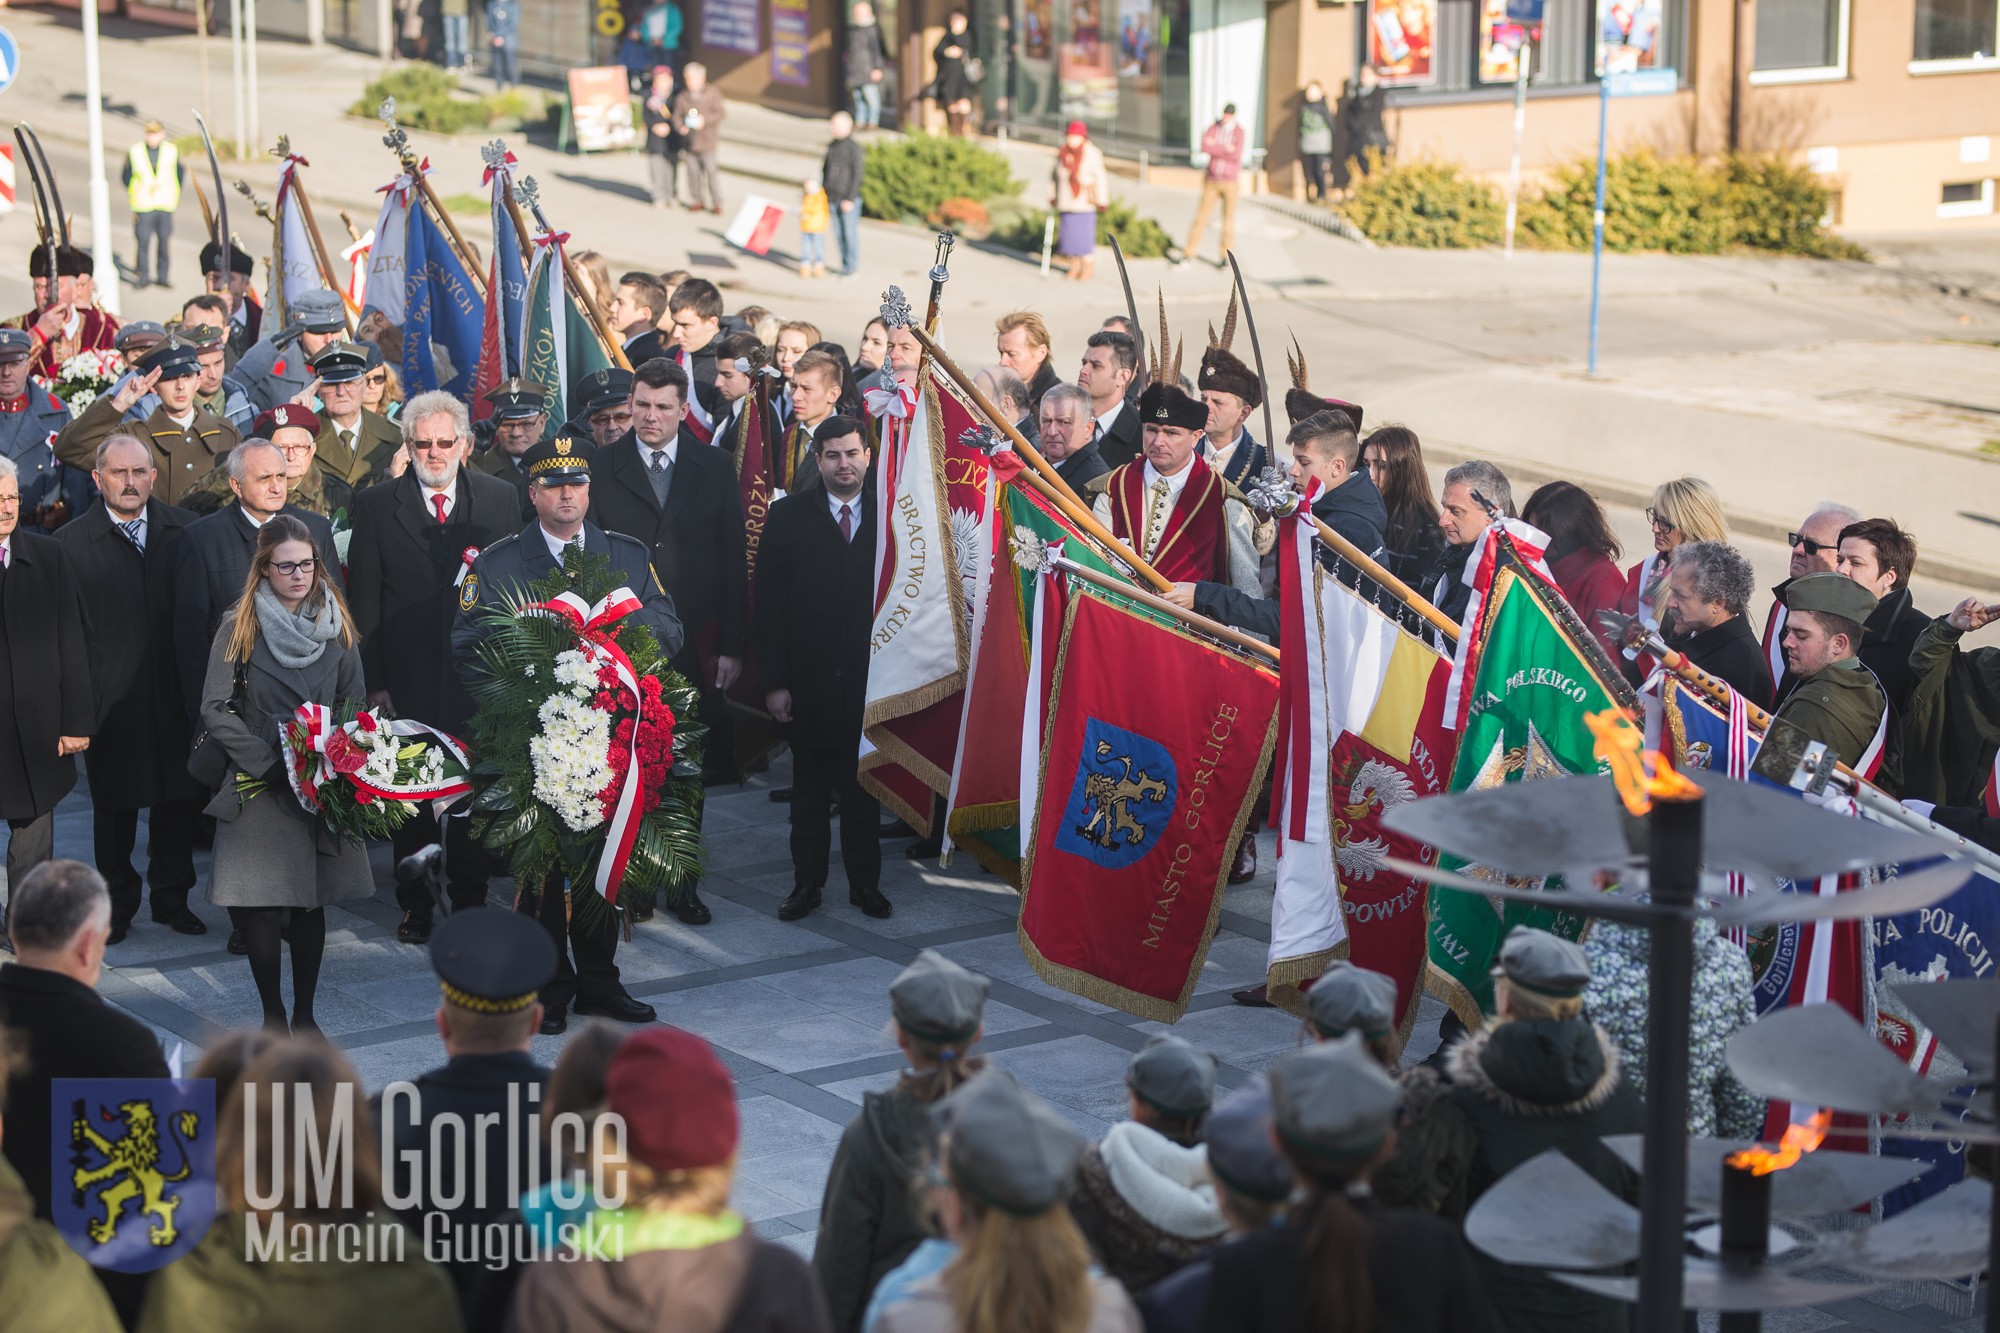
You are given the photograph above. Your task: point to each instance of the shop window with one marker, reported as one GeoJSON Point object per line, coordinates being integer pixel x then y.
{"type": "Point", "coordinates": [1801, 40]}
{"type": "Point", "coordinates": [1957, 34]}
{"type": "Point", "coordinates": [1435, 49]}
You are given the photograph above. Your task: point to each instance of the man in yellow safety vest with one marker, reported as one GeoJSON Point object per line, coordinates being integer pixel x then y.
{"type": "Point", "coordinates": [153, 179]}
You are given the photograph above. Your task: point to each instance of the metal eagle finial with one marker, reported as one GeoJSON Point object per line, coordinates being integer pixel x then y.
{"type": "Point", "coordinates": [494, 153]}
{"type": "Point", "coordinates": [1270, 492]}
{"type": "Point", "coordinates": [527, 193]}
{"type": "Point", "coordinates": [896, 312]}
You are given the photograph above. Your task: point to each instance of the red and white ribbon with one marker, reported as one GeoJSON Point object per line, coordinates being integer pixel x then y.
{"type": "Point", "coordinates": [466, 557]}
{"type": "Point", "coordinates": [593, 624]}
{"type": "Point", "coordinates": [313, 769]}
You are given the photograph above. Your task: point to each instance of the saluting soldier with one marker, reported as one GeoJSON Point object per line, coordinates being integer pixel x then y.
{"type": "Point", "coordinates": [355, 446]}
{"type": "Point", "coordinates": [520, 418]}
{"type": "Point", "coordinates": [559, 489]}
{"type": "Point", "coordinates": [1837, 700]}
{"type": "Point", "coordinates": [187, 440]}
{"type": "Point", "coordinates": [276, 370]}
{"type": "Point", "coordinates": [30, 420]}
{"type": "Point", "coordinates": [491, 967]}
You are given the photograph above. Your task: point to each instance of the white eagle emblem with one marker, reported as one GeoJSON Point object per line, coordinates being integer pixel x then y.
{"type": "Point", "coordinates": [1375, 784]}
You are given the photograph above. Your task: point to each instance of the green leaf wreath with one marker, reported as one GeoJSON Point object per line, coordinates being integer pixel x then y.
{"type": "Point", "coordinates": [519, 654]}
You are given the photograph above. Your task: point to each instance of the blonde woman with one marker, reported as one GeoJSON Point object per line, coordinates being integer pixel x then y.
{"type": "Point", "coordinates": [382, 390]}
{"type": "Point", "coordinates": [1007, 1163]}
{"type": "Point", "coordinates": [598, 286]}
{"type": "Point", "coordinates": [289, 640]}
{"type": "Point", "coordinates": [685, 1259]}
{"type": "Point", "coordinates": [1685, 510]}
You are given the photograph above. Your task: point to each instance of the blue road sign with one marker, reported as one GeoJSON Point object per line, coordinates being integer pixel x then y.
{"type": "Point", "coordinates": [10, 59]}
{"type": "Point", "coordinates": [1642, 83]}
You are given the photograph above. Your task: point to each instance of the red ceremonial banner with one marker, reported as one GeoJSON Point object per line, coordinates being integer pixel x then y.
{"type": "Point", "coordinates": [1141, 806]}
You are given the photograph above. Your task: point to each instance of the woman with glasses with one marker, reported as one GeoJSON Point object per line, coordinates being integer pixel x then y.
{"type": "Point", "coordinates": [382, 391]}
{"type": "Point", "coordinates": [1684, 510]}
{"type": "Point", "coordinates": [288, 641]}
{"type": "Point", "coordinates": [1395, 460]}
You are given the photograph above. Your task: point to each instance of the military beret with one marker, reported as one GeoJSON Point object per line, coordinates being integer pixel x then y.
{"type": "Point", "coordinates": [516, 399]}
{"type": "Point", "coordinates": [491, 962]}
{"type": "Point", "coordinates": [1167, 405]}
{"type": "Point", "coordinates": [1172, 1077]}
{"type": "Point", "coordinates": [173, 358]}
{"type": "Point", "coordinates": [1546, 964]}
{"type": "Point", "coordinates": [319, 311]}
{"type": "Point", "coordinates": [1835, 594]}
{"type": "Point", "coordinates": [936, 1000]}
{"type": "Point", "coordinates": [601, 389]}
{"type": "Point", "coordinates": [1331, 1099]}
{"type": "Point", "coordinates": [340, 362]}
{"type": "Point", "coordinates": [553, 462]}
{"type": "Point", "coordinates": [1223, 371]}
{"type": "Point", "coordinates": [139, 333]}
{"type": "Point", "coordinates": [1351, 999]}
{"type": "Point", "coordinates": [1007, 1148]}
{"type": "Point", "coordinates": [15, 345]}
{"type": "Point", "coordinates": [239, 259]}
{"type": "Point", "coordinates": [1241, 1154]}
{"type": "Point", "coordinates": [283, 415]}
{"type": "Point", "coordinates": [677, 1100]}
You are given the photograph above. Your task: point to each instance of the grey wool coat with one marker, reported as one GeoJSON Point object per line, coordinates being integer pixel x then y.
{"type": "Point", "coordinates": [268, 851]}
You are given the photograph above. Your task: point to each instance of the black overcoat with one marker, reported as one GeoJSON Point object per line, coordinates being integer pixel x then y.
{"type": "Point", "coordinates": [44, 676]}
{"type": "Point", "coordinates": [815, 608]}
{"type": "Point", "coordinates": [695, 540]}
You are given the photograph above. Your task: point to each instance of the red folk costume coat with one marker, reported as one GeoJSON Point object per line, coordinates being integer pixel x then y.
{"type": "Point", "coordinates": [1194, 546]}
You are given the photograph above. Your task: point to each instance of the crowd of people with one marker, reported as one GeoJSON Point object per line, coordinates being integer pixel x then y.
{"type": "Point", "coordinates": [253, 518]}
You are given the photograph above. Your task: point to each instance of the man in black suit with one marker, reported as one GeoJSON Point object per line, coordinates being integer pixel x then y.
{"type": "Point", "coordinates": [61, 1027]}
{"type": "Point", "coordinates": [697, 336]}
{"type": "Point", "coordinates": [215, 553]}
{"type": "Point", "coordinates": [1065, 440]}
{"type": "Point", "coordinates": [1110, 364]}
{"type": "Point", "coordinates": [681, 500]}
{"type": "Point", "coordinates": [414, 540]}
{"type": "Point", "coordinates": [1708, 596]}
{"type": "Point", "coordinates": [816, 387]}
{"type": "Point", "coordinates": [815, 607]}
{"type": "Point", "coordinates": [636, 308]}
{"type": "Point", "coordinates": [1009, 392]}
{"type": "Point", "coordinates": [47, 714]}
{"type": "Point", "coordinates": [122, 553]}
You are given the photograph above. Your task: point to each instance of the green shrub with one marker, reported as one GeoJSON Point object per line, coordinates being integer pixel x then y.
{"type": "Point", "coordinates": [427, 98]}
{"type": "Point", "coordinates": [1138, 235]}
{"type": "Point", "coordinates": [1427, 204]}
{"type": "Point", "coordinates": [1780, 206]}
{"type": "Point", "coordinates": [908, 180]}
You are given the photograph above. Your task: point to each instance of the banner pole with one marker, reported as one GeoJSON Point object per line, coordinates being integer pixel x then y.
{"type": "Point", "coordinates": [320, 255]}
{"type": "Point", "coordinates": [1214, 629]}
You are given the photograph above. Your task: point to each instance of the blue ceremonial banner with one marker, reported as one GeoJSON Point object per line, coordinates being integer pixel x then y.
{"type": "Point", "coordinates": [509, 289]}
{"type": "Point", "coordinates": [133, 1167]}
{"type": "Point", "coordinates": [443, 308]}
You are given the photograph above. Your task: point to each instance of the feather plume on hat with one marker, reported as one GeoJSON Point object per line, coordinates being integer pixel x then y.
{"type": "Point", "coordinates": [1301, 402]}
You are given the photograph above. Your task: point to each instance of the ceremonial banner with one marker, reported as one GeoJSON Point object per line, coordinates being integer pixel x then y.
{"type": "Point", "coordinates": [355, 257]}
{"type": "Point", "coordinates": [294, 269]}
{"type": "Point", "coordinates": [1361, 731]}
{"type": "Point", "coordinates": [932, 551]}
{"type": "Point", "coordinates": [444, 311]}
{"type": "Point", "coordinates": [986, 784]}
{"type": "Point", "coordinates": [558, 345]}
{"type": "Point", "coordinates": [1525, 697]}
{"type": "Point", "coordinates": [1144, 787]}
{"type": "Point", "coordinates": [386, 256]}
{"type": "Point", "coordinates": [506, 299]}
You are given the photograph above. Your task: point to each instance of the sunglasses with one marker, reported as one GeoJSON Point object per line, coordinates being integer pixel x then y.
{"type": "Point", "coordinates": [291, 567]}
{"type": "Point", "coordinates": [379, 377]}
{"type": "Point", "coordinates": [1659, 520]}
{"type": "Point", "coordinates": [1811, 547]}
{"type": "Point", "coordinates": [434, 446]}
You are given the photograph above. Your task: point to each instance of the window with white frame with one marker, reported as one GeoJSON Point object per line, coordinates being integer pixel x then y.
{"type": "Point", "coordinates": [1799, 40]}
{"type": "Point", "coordinates": [1957, 33]}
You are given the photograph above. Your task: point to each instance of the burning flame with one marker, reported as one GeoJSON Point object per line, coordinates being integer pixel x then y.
{"type": "Point", "coordinates": [1798, 1141]}
{"type": "Point", "coordinates": [1638, 775]}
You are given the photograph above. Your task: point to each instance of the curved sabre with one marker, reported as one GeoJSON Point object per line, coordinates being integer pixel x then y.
{"type": "Point", "coordinates": [225, 246]}
{"type": "Point", "coordinates": [47, 228]}
{"type": "Point", "coordinates": [49, 175]}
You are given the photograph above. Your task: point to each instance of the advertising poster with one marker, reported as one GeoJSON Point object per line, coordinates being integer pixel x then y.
{"type": "Point", "coordinates": [600, 105]}
{"type": "Point", "coordinates": [1501, 37]}
{"type": "Point", "coordinates": [1400, 37]}
{"type": "Point", "coordinates": [1630, 35]}
{"type": "Point", "coordinates": [1084, 69]}
{"type": "Point", "coordinates": [790, 36]}
{"type": "Point", "coordinates": [1138, 45]}
{"type": "Point", "coordinates": [731, 25]}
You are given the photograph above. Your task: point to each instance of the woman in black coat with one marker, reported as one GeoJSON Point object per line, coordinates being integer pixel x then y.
{"type": "Point", "coordinates": [955, 85]}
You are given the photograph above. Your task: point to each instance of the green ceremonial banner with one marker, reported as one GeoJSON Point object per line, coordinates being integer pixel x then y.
{"type": "Point", "coordinates": [1530, 690]}
{"type": "Point", "coordinates": [551, 361]}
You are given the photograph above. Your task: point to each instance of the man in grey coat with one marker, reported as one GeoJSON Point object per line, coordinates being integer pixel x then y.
{"type": "Point", "coordinates": [276, 369]}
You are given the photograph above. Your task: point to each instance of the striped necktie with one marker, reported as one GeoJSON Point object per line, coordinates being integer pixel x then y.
{"type": "Point", "coordinates": [134, 529]}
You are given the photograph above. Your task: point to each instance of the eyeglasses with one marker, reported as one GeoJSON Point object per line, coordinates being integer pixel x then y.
{"type": "Point", "coordinates": [379, 377]}
{"type": "Point", "coordinates": [291, 567]}
{"type": "Point", "coordinates": [1659, 520]}
{"type": "Point", "coordinates": [444, 446]}
{"type": "Point", "coordinates": [293, 450]}
{"type": "Point", "coordinates": [1811, 547]}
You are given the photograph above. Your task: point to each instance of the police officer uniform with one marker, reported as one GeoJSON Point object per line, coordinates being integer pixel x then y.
{"type": "Point", "coordinates": [185, 455]}
{"type": "Point", "coordinates": [490, 964]}
{"type": "Point", "coordinates": [358, 457]}
{"type": "Point", "coordinates": [275, 370]}
{"type": "Point", "coordinates": [29, 424]}
{"type": "Point", "coordinates": [1843, 705]}
{"type": "Point", "coordinates": [507, 568]}
{"type": "Point", "coordinates": [516, 399]}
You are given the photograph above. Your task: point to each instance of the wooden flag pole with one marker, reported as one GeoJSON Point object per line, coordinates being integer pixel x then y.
{"type": "Point", "coordinates": [1394, 586]}
{"type": "Point", "coordinates": [525, 188]}
{"type": "Point", "coordinates": [320, 253]}
{"type": "Point", "coordinates": [1214, 629]}
{"type": "Point", "coordinates": [1040, 475]}
{"type": "Point", "coordinates": [397, 140]}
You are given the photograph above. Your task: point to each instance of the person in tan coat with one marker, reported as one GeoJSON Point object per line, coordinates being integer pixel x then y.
{"type": "Point", "coordinates": [187, 440]}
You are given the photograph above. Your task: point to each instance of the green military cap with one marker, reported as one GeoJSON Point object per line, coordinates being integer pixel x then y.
{"type": "Point", "coordinates": [935, 999]}
{"type": "Point", "coordinates": [1546, 964]}
{"type": "Point", "coordinates": [1173, 1078]}
{"type": "Point", "coordinates": [200, 336]}
{"type": "Point", "coordinates": [1331, 1099]}
{"type": "Point", "coordinates": [1835, 594]}
{"type": "Point", "coordinates": [1351, 999]}
{"type": "Point", "coordinates": [1007, 1148]}
{"type": "Point", "coordinates": [516, 399]}
{"type": "Point", "coordinates": [340, 362]}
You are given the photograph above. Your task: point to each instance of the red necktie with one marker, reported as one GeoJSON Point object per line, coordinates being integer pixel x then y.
{"type": "Point", "coordinates": [437, 503]}
{"type": "Point", "coordinates": [846, 524]}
